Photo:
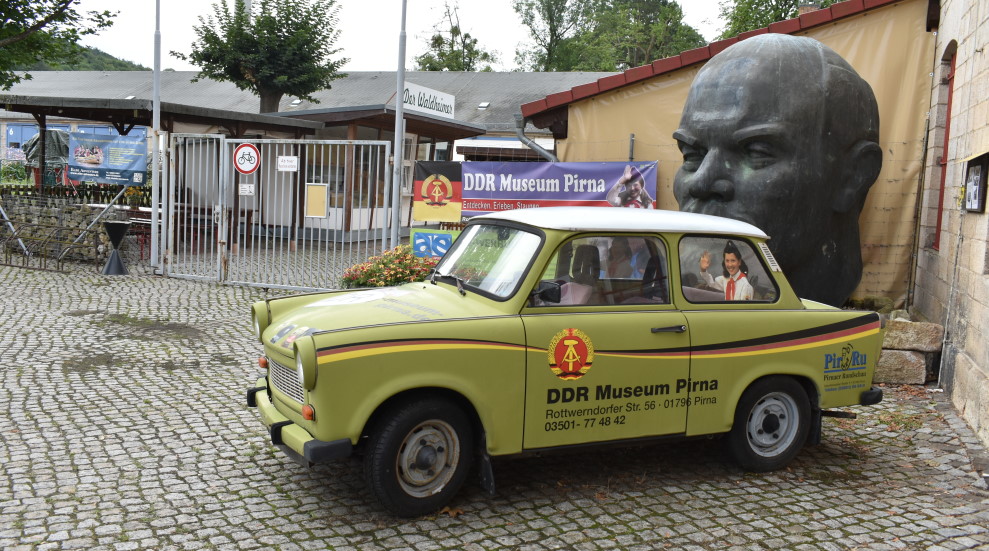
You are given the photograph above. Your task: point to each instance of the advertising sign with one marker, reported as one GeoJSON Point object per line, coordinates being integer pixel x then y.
{"type": "Point", "coordinates": [497, 186]}
{"type": "Point", "coordinates": [432, 243]}
{"type": "Point", "coordinates": [425, 100]}
{"type": "Point", "coordinates": [107, 159]}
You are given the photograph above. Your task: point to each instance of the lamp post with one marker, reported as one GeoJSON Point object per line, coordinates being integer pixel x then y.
{"type": "Point", "coordinates": [396, 181]}
{"type": "Point", "coordinates": [155, 137]}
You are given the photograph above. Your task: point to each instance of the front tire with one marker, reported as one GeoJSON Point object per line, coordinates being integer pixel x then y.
{"type": "Point", "coordinates": [418, 456]}
{"type": "Point", "coordinates": [772, 421]}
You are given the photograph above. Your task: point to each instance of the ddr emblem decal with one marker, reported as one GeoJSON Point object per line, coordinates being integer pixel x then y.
{"type": "Point", "coordinates": [437, 190]}
{"type": "Point", "coordinates": [570, 354]}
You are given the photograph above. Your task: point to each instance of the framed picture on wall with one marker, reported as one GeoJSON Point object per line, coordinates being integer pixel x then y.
{"type": "Point", "coordinates": [975, 184]}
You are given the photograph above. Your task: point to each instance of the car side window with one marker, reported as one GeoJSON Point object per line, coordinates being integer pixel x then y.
{"type": "Point", "coordinates": [723, 269]}
{"type": "Point", "coordinates": [609, 270]}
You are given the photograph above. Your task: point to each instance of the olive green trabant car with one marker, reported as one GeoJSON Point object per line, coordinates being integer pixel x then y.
{"type": "Point", "coordinates": [553, 327]}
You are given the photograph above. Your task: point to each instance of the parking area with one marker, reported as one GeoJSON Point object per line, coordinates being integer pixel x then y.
{"type": "Point", "coordinates": [123, 426]}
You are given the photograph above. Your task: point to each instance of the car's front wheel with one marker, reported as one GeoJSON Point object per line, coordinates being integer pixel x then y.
{"type": "Point", "coordinates": [418, 456]}
{"type": "Point", "coordinates": [772, 420]}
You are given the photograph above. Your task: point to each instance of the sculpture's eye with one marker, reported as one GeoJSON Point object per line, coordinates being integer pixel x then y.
{"type": "Point", "coordinates": [692, 157]}
{"type": "Point", "coordinates": [759, 154]}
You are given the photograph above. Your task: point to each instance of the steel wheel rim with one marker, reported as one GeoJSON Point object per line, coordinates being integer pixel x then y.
{"type": "Point", "coordinates": [773, 424]}
{"type": "Point", "coordinates": [428, 458]}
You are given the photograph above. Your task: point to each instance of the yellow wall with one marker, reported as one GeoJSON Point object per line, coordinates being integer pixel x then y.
{"type": "Point", "coordinates": [890, 49]}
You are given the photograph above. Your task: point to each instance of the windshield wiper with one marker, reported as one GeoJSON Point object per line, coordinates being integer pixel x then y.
{"type": "Point", "coordinates": [460, 282]}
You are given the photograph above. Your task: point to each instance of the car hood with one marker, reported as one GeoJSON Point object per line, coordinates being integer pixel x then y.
{"type": "Point", "coordinates": [409, 303]}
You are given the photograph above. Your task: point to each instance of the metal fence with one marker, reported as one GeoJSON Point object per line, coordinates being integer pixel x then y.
{"type": "Point", "coordinates": [307, 211]}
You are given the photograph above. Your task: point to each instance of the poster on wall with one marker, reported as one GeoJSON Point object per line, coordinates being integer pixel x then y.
{"type": "Point", "coordinates": [107, 159]}
{"type": "Point", "coordinates": [436, 191]}
{"type": "Point", "coordinates": [496, 186]}
{"type": "Point", "coordinates": [975, 184]}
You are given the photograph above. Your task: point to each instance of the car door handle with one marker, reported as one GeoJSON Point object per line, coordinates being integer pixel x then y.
{"type": "Point", "coordinates": [670, 329]}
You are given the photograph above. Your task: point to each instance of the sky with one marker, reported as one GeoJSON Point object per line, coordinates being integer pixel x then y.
{"type": "Point", "coordinates": [369, 29]}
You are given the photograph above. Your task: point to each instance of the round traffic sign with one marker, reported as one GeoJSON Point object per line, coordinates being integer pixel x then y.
{"type": "Point", "coordinates": [247, 158]}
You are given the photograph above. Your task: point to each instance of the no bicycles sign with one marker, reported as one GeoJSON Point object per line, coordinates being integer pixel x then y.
{"type": "Point", "coordinates": [247, 158]}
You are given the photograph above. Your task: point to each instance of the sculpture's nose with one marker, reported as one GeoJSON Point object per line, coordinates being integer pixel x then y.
{"type": "Point", "coordinates": [713, 180]}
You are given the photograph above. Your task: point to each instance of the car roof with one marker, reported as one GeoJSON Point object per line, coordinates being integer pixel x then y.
{"type": "Point", "coordinates": [624, 219]}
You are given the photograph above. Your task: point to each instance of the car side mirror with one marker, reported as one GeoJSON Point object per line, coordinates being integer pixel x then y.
{"type": "Point", "coordinates": [549, 291]}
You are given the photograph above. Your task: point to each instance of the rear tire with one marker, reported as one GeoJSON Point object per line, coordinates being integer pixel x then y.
{"type": "Point", "coordinates": [418, 456]}
{"type": "Point", "coordinates": [772, 421]}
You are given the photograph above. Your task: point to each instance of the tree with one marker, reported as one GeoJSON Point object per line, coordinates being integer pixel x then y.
{"type": "Point", "coordinates": [453, 50]}
{"type": "Point", "coordinates": [603, 35]}
{"type": "Point", "coordinates": [282, 47]}
{"type": "Point", "coordinates": [746, 15]}
{"type": "Point", "coordinates": [629, 33]}
{"type": "Point", "coordinates": [554, 25]}
{"type": "Point", "coordinates": [33, 31]}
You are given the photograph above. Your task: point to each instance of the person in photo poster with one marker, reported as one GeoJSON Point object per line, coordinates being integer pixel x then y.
{"type": "Point", "coordinates": [734, 279]}
{"type": "Point", "coordinates": [779, 131]}
{"type": "Point", "coordinates": [629, 191]}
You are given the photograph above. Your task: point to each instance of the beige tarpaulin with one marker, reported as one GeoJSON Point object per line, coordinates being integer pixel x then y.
{"type": "Point", "coordinates": [889, 48]}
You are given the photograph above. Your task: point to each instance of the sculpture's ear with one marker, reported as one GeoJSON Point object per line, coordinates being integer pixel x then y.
{"type": "Point", "coordinates": [865, 161]}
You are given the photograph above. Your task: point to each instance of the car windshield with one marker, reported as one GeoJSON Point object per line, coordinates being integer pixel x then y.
{"type": "Point", "coordinates": [489, 258]}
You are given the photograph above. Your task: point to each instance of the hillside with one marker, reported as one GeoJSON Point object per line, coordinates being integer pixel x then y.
{"type": "Point", "coordinates": [91, 59]}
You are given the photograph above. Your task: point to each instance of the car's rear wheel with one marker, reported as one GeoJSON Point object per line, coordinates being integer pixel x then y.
{"type": "Point", "coordinates": [418, 456]}
{"type": "Point", "coordinates": [772, 420]}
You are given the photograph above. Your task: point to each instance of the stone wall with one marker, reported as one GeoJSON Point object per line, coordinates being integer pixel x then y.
{"type": "Point", "coordinates": [911, 352]}
{"type": "Point", "coordinates": [70, 216]}
{"type": "Point", "coordinates": [952, 275]}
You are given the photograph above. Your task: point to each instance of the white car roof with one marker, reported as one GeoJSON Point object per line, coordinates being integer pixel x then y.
{"type": "Point", "coordinates": [610, 219]}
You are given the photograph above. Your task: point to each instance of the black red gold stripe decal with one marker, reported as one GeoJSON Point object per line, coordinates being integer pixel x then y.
{"type": "Point", "coordinates": [375, 348]}
{"type": "Point", "coordinates": [825, 335]}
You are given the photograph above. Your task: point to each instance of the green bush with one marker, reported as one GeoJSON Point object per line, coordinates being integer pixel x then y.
{"type": "Point", "coordinates": [13, 172]}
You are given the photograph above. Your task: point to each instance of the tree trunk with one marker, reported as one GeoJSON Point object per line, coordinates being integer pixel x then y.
{"type": "Point", "coordinates": [269, 101]}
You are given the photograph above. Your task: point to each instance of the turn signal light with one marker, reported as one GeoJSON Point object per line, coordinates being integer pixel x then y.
{"type": "Point", "coordinates": [308, 413]}
{"type": "Point", "coordinates": [263, 362]}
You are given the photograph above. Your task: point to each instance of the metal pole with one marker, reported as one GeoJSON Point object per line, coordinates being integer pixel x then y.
{"type": "Point", "coordinates": [396, 181]}
{"type": "Point", "coordinates": [156, 138]}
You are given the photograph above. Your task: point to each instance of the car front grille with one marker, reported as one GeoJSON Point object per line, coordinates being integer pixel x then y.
{"type": "Point", "coordinates": [285, 379]}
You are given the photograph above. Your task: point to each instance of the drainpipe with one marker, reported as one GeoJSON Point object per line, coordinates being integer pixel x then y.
{"type": "Point", "coordinates": [528, 142]}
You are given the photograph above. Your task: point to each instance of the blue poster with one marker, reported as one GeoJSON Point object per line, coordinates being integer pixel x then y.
{"type": "Point", "coordinates": [495, 186]}
{"type": "Point", "coordinates": [433, 243]}
{"type": "Point", "coordinates": [107, 159]}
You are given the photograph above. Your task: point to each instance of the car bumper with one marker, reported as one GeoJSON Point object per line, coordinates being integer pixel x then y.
{"type": "Point", "coordinates": [292, 439]}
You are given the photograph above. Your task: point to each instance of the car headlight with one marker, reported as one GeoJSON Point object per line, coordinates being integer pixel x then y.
{"type": "Point", "coordinates": [259, 318]}
{"type": "Point", "coordinates": [300, 369]}
{"type": "Point", "coordinates": [305, 361]}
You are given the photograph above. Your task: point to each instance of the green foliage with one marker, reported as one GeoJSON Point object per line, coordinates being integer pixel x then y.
{"type": "Point", "coordinates": [284, 47]}
{"type": "Point", "coordinates": [746, 15]}
{"type": "Point", "coordinates": [12, 172]}
{"type": "Point", "coordinates": [553, 24]}
{"type": "Point", "coordinates": [603, 35]}
{"type": "Point", "coordinates": [392, 267]}
{"type": "Point", "coordinates": [630, 33]}
{"type": "Point", "coordinates": [33, 31]}
{"type": "Point", "coordinates": [453, 49]}
{"type": "Point", "coordinates": [89, 59]}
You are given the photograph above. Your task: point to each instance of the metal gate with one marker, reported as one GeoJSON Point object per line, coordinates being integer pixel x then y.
{"type": "Point", "coordinates": [290, 214]}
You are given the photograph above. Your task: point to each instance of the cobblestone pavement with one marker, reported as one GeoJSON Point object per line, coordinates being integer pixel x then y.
{"type": "Point", "coordinates": [123, 426]}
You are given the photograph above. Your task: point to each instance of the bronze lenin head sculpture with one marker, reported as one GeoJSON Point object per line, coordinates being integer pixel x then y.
{"type": "Point", "coordinates": [779, 131]}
